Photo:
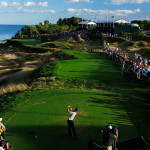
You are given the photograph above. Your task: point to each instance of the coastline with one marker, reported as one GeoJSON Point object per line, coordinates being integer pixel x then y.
{"type": "Point", "coordinates": [7, 31]}
{"type": "Point", "coordinates": [3, 41]}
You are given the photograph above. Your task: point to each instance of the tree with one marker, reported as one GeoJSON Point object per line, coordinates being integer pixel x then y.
{"type": "Point", "coordinates": [144, 24]}
{"type": "Point", "coordinates": [46, 22]}
{"type": "Point", "coordinates": [34, 30]}
{"type": "Point", "coordinates": [69, 21]}
{"type": "Point", "coordinates": [60, 22]}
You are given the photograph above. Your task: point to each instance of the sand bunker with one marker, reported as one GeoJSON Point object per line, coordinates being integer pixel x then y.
{"type": "Point", "coordinates": [12, 56]}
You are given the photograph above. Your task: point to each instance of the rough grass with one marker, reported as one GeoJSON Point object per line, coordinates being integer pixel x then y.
{"type": "Point", "coordinates": [114, 39]}
{"type": "Point", "coordinates": [13, 87]}
{"type": "Point", "coordinates": [14, 70]}
{"type": "Point", "coordinates": [145, 52]}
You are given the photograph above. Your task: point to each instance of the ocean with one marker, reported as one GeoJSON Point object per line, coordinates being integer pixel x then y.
{"type": "Point", "coordinates": [7, 31]}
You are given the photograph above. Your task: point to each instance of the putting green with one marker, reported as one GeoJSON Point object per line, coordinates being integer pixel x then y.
{"type": "Point", "coordinates": [44, 113]}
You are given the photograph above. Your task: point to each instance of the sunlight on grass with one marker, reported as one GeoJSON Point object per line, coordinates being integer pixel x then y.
{"type": "Point", "coordinates": [48, 108]}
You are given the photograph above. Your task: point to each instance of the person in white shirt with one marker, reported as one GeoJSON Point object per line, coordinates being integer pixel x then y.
{"type": "Point", "coordinates": [101, 52]}
{"type": "Point", "coordinates": [2, 128]}
{"type": "Point", "coordinates": [2, 145]}
{"type": "Point", "coordinates": [72, 114]}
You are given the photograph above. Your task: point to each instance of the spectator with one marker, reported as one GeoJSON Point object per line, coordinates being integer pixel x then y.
{"type": "Point", "coordinates": [100, 52]}
{"type": "Point", "coordinates": [2, 145]}
{"type": "Point", "coordinates": [122, 67]}
{"type": "Point", "coordinates": [5, 145]}
{"type": "Point", "coordinates": [108, 138]}
{"type": "Point", "coordinates": [2, 129]}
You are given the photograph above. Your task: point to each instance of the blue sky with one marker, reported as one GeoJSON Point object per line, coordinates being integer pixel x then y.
{"type": "Point", "coordinates": [32, 12]}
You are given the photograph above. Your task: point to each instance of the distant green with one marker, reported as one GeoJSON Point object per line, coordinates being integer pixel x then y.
{"type": "Point", "coordinates": [27, 42]}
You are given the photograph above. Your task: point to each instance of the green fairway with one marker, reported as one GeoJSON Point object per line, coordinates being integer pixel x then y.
{"type": "Point", "coordinates": [28, 41]}
{"type": "Point", "coordinates": [89, 67]}
{"type": "Point", "coordinates": [44, 113]}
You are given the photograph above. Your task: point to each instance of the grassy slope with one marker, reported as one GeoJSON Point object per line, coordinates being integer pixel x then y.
{"type": "Point", "coordinates": [45, 111]}
{"type": "Point", "coordinates": [89, 67]}
{"type": "Point", "coordinates": [45, 114]}
{"type": "Point", "coordinates": [133, 97]}
{"type": "Point", "coordinates": [28, 41]}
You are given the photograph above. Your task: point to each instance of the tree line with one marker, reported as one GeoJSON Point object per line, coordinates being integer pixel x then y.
{"type": "Point", "coordinates": [144, 24]}
{"type": "Point", "coordinates": [66, 24]}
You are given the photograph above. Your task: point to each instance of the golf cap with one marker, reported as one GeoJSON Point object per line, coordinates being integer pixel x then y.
{"type": "Point", "coordinates": [0, 119]}
{"type": "Point", "coordinates": [109, 127]}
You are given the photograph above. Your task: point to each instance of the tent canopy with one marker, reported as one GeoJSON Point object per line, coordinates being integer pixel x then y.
{"type": "Point", "coordinates": [113, 21]}
{"type": "Point", "coordinates": [87, 23]}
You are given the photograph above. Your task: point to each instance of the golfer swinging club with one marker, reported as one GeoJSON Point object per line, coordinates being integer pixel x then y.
{"type": "Point", "coordinates": [71, 129]}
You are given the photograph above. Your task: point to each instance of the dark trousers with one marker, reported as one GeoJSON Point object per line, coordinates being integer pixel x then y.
{"type": "Point", "coordinates": [2, 135]}
{"type": "Point", "coordinates": [71, 129]}
{"type": "Point", "coordinates": [114, 144]}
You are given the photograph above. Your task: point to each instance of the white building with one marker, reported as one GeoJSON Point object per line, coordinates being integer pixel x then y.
{"type": "Point", "coordinates": [111, 24]}
{"type": "Point", "coordinates": [86, 25]}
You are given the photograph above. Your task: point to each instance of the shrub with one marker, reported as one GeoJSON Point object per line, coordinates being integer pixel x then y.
{"type": "Point", "coordinates": [145, 51]}
{"type": "Point", "coordinates": [141, 35]}
{"type": "Point", "coordinates": [142, 43]}
{"type": "Point", "coordinates": [114, 39]}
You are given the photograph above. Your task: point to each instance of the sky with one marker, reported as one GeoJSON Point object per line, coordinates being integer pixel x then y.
{"type": "Point", "coordinates": [31, 12]}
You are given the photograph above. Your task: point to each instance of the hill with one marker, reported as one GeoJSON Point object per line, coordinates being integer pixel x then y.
{"type": "Point", "coordinates": [93, 84]}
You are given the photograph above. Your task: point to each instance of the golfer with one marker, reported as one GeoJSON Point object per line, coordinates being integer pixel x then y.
{"type": "Point", "coordinates": [2, 129]}
{"type": "Point", "coordinates": [71, 129]}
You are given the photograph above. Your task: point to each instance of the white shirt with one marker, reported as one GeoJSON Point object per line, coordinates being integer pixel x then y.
{"type": "Point", "coordinates": [1, 148]}
{"type": "Point", "coordinates": [2, 126]}
{"type": "Point", "coordinates": [72, 115]}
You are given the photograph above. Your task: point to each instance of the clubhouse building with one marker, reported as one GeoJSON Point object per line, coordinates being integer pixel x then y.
{"type": "Point", "coordinates": [109, 26]}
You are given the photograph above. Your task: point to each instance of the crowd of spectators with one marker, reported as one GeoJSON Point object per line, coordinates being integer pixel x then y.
{"type": "Point", "coordinates": [138, 68]}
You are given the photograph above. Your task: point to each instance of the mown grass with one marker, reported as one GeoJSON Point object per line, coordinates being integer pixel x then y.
{"type": "Point", "coordinates": [28, 42]}
{"type": "Point", "coordinates": [88, 67]}
{"type": "Point", "coordinates": [42, 113]}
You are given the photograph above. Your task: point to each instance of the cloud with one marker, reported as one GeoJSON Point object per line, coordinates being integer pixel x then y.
{"type": "Point", "coordinates": [44, 4]}
{"type": "Point", "coordinates": [29, 3]}
{"type": "Point", "coordinates": [120, 2]}
{"type": "Point", "coordinates": [15, 4]}
{"type": "Point", "coordinates": [11, 11]}
{"type": "Point", "coordinates": [3, 4]}
{"type": "Point", "coordinates": [77, 1]}
{"type": "Point", "coordinates": [20, 8]}
{"type": "Point", "coordinates": [38, 11]}
{"type": "Point", "coordinates": [102, 12]}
